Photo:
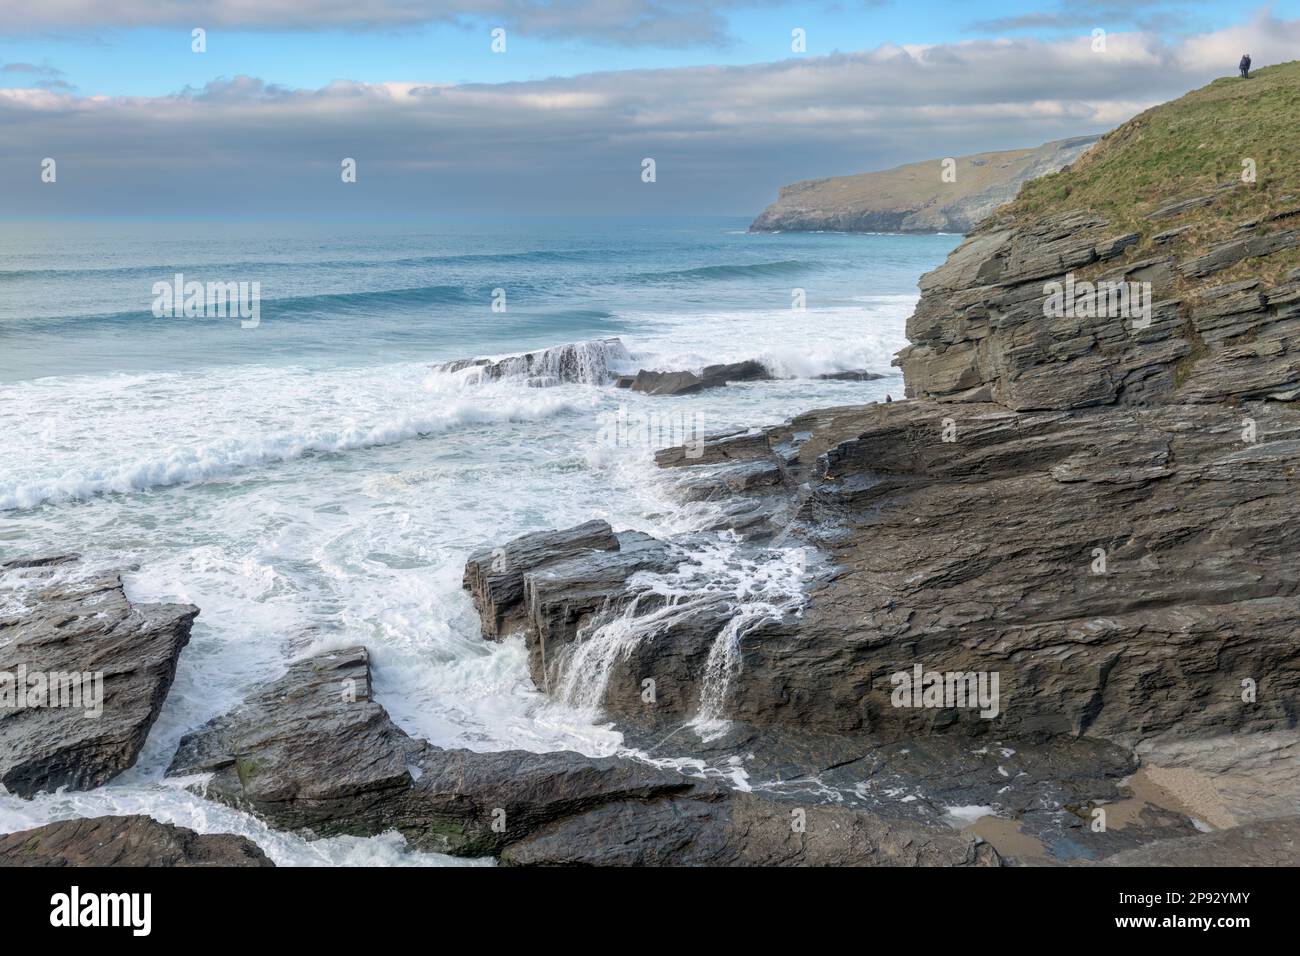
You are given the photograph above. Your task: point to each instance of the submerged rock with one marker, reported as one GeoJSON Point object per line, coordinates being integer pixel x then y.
{"type": "Point", "coordinates": [125, 841]}
{"type": "Point", "coordinates": [99, 665]}
{"type": "Point", "coordinates": [689, 382]}
{"type": "Point", "coordinates": [586, 363]}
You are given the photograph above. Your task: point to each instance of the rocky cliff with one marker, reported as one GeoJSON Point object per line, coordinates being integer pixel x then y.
{"type": "Point", "coordinates": [1086, 503]}
{"type": "Point", "coordinates": [917, 197]}
{"type": "Point", "coordinates": [1043, 611]}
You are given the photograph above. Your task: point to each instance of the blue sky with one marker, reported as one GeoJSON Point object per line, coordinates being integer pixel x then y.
{"type": "Point", "coordinates": [125, 60]}
{"type": "Point", "coordinates": [587, 89]}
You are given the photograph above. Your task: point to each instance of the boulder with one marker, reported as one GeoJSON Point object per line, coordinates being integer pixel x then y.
{"type": "Point", "coordinates": [125, 841]}
{"type": "Point", "coordinates": [106, 665]}
{"type": "Point", "coordinates": [495, 577]}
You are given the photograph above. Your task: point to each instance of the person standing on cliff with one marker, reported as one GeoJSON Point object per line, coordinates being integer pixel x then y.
{"type": "Point", "coordinates": [1244, 66]}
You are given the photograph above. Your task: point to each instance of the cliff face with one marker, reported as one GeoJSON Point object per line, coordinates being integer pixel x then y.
{"type": "Point", "coordinates": [1089, 495]}
{"type": "Point", "coordinates": [915, 198]}
{"type": "Point", "coordinates": [1091, 491]}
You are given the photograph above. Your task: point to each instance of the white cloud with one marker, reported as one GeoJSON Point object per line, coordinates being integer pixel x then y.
{"type": "Point", "coordinates": [668, 23]}
{"type": "Point", "coordinates": [724, 138]}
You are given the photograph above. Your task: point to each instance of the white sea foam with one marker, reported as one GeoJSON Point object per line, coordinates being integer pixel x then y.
{"type": "Point", "coordinates": [307, 515]}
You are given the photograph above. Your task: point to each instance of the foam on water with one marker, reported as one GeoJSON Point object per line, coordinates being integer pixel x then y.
{"type": "Point", "coordinates": [305, 505]}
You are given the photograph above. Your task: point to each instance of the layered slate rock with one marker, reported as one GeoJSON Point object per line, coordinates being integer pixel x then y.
{"type": "Point", "coordinates": [980, 554]}
{"type": "Point", "coordinates": [83, 630]}
{"type": "Point", "coordinates": [314, 753]}
{"type": "Point", "coordinates": [740, 829]}
{"type": "Point", "coordinates": [125, 841]}
{"type": "Point", "coordinates": [495, 577]}
{"type": "Point", "coordinates": [1091, 504]}
{"type": "Point", "coordinates": [981, 332]}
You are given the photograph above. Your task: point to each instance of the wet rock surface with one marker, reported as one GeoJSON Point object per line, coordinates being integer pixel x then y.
{"type": "Point", "coordinates": [687, 382]}
{"type": "Point", "coordinates": [314, 753]}
{"type": "Point", "coordinates": [1088, 504]}
{"type": "Point", "coordinates": [125, 841]}
{"type": "Point", "coordinates": [100, 665]}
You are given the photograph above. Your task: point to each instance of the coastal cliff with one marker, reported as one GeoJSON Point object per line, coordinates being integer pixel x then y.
{"type": "Point", "coordinates": [1041, 612]}
{"type": "Point", "coordinates": [1089, 499]}
{"type": "Point", "coordinates": [916, 197]}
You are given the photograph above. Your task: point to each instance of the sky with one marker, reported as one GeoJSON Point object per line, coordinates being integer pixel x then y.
{"type": "Point", "coordinates": [557, 115]}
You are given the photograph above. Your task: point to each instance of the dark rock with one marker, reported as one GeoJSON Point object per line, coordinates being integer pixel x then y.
{"type": "Point", "coordinates": [1182, 206]}
{"type": "Point", "coordinates": [125, 841]}
{"type": "Point", "coordinates": [85, 631]}
{"type": "Point", "coordinates": [1233, 251]}
{"type": "Point", "coordinates": [748, 371]}
{"type": "Point", "coordinates": [313, 753]}
{"type": "Point", "coordinates": [495, 578]}
{"type": "Point", "coordinates": [687, 382]}
{"type": "Point", "coordinates": [732, 479]}
{"type": "Point", "coordinates": [569, 597]}
{"type": "Point", "coordinates": [715, 449]}
{"type": "Point", "coordinates": [668, 383]}
{"type": "Point", "coordinates": [39, 561]}
{"type": "Point", "coordinates": [740, 829]}
{"type": "Point", "coordinates": [1169, 235]}
{"type": "Point", "coordinates": [860, 375]}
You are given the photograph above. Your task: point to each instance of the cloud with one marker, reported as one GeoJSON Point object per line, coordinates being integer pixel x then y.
{"type": "Point", "coordinates": [31, 68]}
{"type": "Point", "coordinates": [662, 23]}
{"type": "Point", "coordinates": [1090, 14]}
{"type": "Point", "coordinates": [723, 137]}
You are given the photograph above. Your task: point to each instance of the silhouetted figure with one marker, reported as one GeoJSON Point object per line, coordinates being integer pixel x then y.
{"type": "Point", "coordinates": [887, 398]}
{"type": "Point", "coordinates": [1244, 66]}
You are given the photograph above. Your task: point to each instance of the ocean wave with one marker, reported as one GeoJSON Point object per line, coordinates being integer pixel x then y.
{"type": "Point", "coordinates": [726, 271]}
{"type": "Point", "coordinates": [289, 307]}
{"type": "Point", "coordinates": [164, 271]}
{"type": "Point", "coordinates": [195, 464]}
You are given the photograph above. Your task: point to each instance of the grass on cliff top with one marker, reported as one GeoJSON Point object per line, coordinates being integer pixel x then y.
{"type": "Point", "coordinates": [1183, 149]}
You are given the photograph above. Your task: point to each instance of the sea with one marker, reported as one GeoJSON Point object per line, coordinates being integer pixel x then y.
{"type": "Point", "coordinates": [311, 480]}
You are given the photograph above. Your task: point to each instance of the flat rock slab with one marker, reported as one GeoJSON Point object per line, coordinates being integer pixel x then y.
{"type": "Point", "coordinates": [125, 841]}
{"type": "Point", "coordinates": [740, 829]}
{"type": "Point", "coordinates": [106, 663]}
{"type": "Point", "coordinates": [313, 753]}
